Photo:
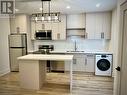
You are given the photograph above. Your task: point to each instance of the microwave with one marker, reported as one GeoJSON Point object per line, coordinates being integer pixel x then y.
{"type": "Point", "coordinates": [43, 35]}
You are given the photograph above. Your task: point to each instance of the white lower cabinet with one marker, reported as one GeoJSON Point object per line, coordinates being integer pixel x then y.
{"type": "Point", "coordinates": [90, 63]}
{"type": "Point", "coordinates": [82, 62]}
{"type": "Point", "coordinates": [79, 62]}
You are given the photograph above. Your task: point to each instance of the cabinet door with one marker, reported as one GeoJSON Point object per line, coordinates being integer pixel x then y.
{"type": "Point", "coordinates": [59, 29]}
{"type": "Point", "coordinates": [19, 21]}
{"type": "Point", "coordinates": [67, 65]}
{"type": "Point", "coordinates": [62, 27]}
{"type": "Point", "coordinates": [107, 25]}
{"type": "Point", "coordinates": [90, 25]}
{"type": "Point", "coordinates": [98, 25]}
{"type": "Point", "coordinates": [47, 25]}
{"type": "Point", "coordinates": [55, 31]}
{"type": "Point", "coordinates": [76, 21]}
{"type": "Point", "coordinates": [33, 30]}
{"type": "Point", "coordinates": [90, 63]}
{"type": "Point", "coordinates": [79, 62]}
{"type": "Point", "coordinates": [38, 25]}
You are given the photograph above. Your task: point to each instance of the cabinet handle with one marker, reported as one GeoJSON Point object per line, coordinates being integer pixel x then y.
{"type": "Point", "coordinates": [86, 61]}
{"type": "Point", "coordinates": [90, 55]}
{"type": "Point", "coordinates": [74, 61]}
{"type": "Point", "coordinates": [102, 35]}
{"type": "Point", "coordinates": [58, 35]}
{"type": "Point", "coordinates": [43, 26]}
{"type": "Point", "coordinates": [86, 35]}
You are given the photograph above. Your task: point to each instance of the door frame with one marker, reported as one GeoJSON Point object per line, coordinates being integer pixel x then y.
{"type": "Point", "coordinates": [123, 7]}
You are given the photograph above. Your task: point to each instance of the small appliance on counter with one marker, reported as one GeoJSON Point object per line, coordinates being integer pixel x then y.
{"type": "Point", "coordinates": [43, 35]}
{"type": "Point", "coordinates": [17, 47]}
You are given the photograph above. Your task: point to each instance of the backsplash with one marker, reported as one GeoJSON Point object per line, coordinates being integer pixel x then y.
{"type": "Point", "coordinates": [85, 45]}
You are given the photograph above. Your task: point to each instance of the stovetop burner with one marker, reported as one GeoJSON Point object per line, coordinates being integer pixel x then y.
{"type": "Point", "coordinates": [44, 49]}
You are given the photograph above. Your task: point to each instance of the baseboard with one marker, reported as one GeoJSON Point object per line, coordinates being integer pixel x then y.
{"type": "Point", "coordinates": [3, 72]}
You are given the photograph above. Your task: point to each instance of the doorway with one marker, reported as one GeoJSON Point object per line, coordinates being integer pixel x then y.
{"type": "Point", "coordinates": [123, 50]}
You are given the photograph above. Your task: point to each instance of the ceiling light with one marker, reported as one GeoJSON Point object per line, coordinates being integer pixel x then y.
{"type": "Point", "coordinates": [50, 16]}
{"type": "Point", "coordinates": [42, 18]}
{"type": "Point", "coordinates": [36, 18]}
{"type": "Point", "coordinates": [56, 17]}
{"type": "Point", "coordinates": [68, 7]}
{"type": "Point", "coordinates": [98, 5]}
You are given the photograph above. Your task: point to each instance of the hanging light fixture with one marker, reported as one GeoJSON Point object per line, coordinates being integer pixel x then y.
{"type": "Point", "coordinates": [50, 16]}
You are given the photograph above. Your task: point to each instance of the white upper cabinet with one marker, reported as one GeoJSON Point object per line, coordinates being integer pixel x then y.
{"type": "Point", "coordinates": [90, 25]}
{"type": "Point", "coordinates": [20, 23]}
{"type": "Point", "coordinates": [55, 31]}
{"type": "Point", "coordinates": [62, 27]}
{"type": "Point", "coordinates": [76, 21]}
{"type": "Point", "coordinates": [98, 25]}
{"type": "Point", "coordinates": [106, 26]}
{"type": "Point", "coordinates": [76, 25]}
{"type": "Point", "coordinates": [59, 29]}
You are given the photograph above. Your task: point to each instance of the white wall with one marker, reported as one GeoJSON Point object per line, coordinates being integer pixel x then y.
{"type": "Point", "coordinates": [113, 46]}
{"type": "Point", "coordinates": [117, 40]}
{"type": "Point", "coordinates": [4, 50]}
{"type": "Point", "coordinates": [86, 45]}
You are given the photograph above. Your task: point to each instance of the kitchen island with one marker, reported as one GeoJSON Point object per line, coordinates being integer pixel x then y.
{"type": "Point", "coordinates": [32, 69]}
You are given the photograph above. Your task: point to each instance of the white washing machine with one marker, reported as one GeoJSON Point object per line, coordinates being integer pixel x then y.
{"type": "Point", "coordinates": [103, 65]}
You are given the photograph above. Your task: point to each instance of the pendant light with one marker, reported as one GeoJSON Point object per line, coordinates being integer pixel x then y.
{"type": "Point", "coordinates": [50, 16]}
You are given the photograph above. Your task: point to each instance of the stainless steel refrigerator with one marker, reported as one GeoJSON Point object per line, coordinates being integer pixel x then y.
{"type": "Point", "coordinates": [17, 47]}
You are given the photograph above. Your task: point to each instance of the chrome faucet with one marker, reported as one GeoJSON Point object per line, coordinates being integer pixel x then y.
{"type": "Point", "coordinates": [75, 46]}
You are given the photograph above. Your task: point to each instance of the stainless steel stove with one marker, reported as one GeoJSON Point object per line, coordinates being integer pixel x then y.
{"type": "Point", "coordinates": [45, 49]}
{"type": "Point", "coordinates": [54, 67]}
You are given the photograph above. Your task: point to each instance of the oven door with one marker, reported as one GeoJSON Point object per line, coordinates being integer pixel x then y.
{"type": "Point", "coordinates": [40, 35]}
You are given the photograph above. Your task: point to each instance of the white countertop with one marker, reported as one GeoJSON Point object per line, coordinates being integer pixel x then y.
{"type": "Point", "coordinates": [45, 57]}
{"type": "Point", "coordinates": [85, 52]}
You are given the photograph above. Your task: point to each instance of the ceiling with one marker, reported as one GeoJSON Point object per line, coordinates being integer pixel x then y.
{"type": "Point", "coordinates": [76, 6]}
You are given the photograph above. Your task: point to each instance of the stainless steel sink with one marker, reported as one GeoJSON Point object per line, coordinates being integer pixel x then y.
{"type": "Point", "coordinates": [75, 51]}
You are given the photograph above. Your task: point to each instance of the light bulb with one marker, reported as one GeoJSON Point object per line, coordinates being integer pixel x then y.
{"type": "Point", "coordinates": [56, 17]}
{"type": "Point", "coordinates": [49, 17]}
{"type": "Point", "coordinates": [42, 18]}
{"type": "Point", "coordinates": [36, 18]}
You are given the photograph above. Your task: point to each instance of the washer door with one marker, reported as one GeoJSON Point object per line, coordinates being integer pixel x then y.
{"type": "Point", "coordinates": [103, 64]}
